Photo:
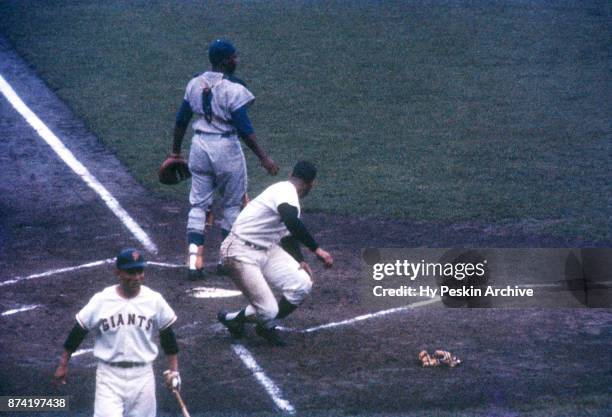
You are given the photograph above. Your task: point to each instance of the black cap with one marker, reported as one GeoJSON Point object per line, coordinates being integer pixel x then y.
{"type": "Point", "coordinates": [304, 170]}
{"type": "Point", "coordinates": [130, 258]}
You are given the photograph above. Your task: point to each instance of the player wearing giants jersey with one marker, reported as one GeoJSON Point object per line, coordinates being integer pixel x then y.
{"type": "Point", "coordinates": [125, 319]}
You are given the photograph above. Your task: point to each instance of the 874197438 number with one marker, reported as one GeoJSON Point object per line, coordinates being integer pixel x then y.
{"type": "Point", "coordinates": [33, 402]}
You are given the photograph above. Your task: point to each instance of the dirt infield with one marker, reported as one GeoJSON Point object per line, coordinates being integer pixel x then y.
{"type": "Point", "coordinates": [516, 362]}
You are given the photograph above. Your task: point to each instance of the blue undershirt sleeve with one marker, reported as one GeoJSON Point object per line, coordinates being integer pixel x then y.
{"type": "Point", "coordinates": [242, 123]}
{"type": "Point", "coordinates": [184, 114]}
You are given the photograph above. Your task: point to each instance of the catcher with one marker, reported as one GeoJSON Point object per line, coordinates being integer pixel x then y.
{"type": "Point", "coordinates": [216, 161]}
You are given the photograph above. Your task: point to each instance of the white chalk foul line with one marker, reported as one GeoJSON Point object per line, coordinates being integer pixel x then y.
{"type": "Point", "coordinates": [412, 306]}
{"type": "Point", "coordinates": [56, 271]}
{"type": "Point", "coordinates": [19, 310]}
{"type": "Point", "coordinates": [603, 284]}
{"type": "Point", "coordinates": [166, 265]}
{"type": "Point", "coordinates": [549, 285]}
{"type": "Point", "coordinates": [271, 388]}
{"type": "Point", "coordinates": [68, 157]}
{"type": "Point", "coordinates": [372, 315]}
{"type": "Point", "coordinates": [75, 268]}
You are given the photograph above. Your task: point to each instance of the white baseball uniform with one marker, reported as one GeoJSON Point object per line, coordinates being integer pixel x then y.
{"type": "Point", "coordinates": [125, 349]}
{"type": "Point", "coordinates": [216, 160]}
{"type": "Point", "coordinates": [252, 249]}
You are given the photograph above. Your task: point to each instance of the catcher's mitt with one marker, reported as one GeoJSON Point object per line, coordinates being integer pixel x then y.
{"type": "Point", "coordinates": [173, 170]}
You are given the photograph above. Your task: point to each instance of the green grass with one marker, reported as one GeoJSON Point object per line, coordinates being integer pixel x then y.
{"type": "Point", "coordinates": [436, 111]}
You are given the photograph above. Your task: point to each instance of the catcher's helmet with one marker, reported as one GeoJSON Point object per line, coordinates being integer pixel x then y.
{"type": "Point", "coordinates": [219, 50]}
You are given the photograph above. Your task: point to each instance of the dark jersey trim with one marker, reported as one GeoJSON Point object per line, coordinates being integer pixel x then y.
{"type": "Point", "coordinates": [291, 245]}
{"type": "Point", "coordinates": [75, 338]}
{"type": "Point", "coordinates": [167, 340]}
{"type": "Point", "coordinates": [289, 216]}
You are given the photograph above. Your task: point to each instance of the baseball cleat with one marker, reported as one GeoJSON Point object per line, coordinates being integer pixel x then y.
{"type": "Point", "coordinates": [195, 274]}
{"type": "Point", "coordinates": [270, 334]}
{"type": "Point", "coordinates": [235, 327]}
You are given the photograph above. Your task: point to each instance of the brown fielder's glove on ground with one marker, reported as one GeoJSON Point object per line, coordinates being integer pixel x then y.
{"type": "Point", "coordinates": [427, 360]}
{"type": "Point", "coordinates": [172, 380]}
{"type": "Point", "coordinates": [173, 170]}
{"type": "Point", "coordinates": [446, 358]}
{"type": "Point", "coordinates": [439, 358]}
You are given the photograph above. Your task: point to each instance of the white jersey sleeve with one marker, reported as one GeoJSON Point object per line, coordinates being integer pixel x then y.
{"type": "Point", "coordinates": [260, 222]}
{"type": "Point", "coordinates": [88, 316]}
{"type": "Point", "coordinates": [165, 315]}
{"type": "Point", "coordinates": [286, 193]}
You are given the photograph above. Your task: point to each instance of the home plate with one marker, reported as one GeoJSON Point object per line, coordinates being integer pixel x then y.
{"type": "Point", "coordinates": [206, 292]}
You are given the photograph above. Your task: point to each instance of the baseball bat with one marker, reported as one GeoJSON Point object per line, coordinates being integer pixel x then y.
{"type": "Point", "coordinates": [181, 403]}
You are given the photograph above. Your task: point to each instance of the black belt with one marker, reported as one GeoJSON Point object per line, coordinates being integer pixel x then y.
{"type": "Point", "coordinates": [125, 364]}
{"type": "Point", "coordinates": [223, 135]}
{"type": "Point", "coordinates": [249, 244]}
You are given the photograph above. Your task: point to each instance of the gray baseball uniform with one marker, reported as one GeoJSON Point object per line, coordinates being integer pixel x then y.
{"type": "Point", "coordinates": [216, 159]}
{"type": "Point", "coordinates": [219, 102]}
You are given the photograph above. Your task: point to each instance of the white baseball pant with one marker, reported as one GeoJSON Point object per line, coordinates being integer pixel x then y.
{"type": "Point", "coordinates": [125, 392]}
{"type": "Point", "coordinates": [255, 271]}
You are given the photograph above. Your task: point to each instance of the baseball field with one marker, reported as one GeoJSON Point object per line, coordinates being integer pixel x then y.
{"type": "Point", "coordinates": [433, 124]}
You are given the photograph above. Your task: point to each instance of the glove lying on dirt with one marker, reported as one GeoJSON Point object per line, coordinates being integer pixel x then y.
{"type": "Point", "coordinates": [446, 358]}
{"type": "Point", "coordinates": [173, 170]}
{"type": "Point", "coordinates": [427, 360]}
{"type": "Point", "coordinates": [439, 358]}
{"type": "Point", "coordinates": [172, 380]}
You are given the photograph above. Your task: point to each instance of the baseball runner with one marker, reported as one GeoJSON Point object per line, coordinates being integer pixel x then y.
{"type": "Point", "coordinates": [125, 318]}
{"type": "Point", "coordinates": [219, 101]}
{"type": "Point", "coordinates": [262, 251]}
